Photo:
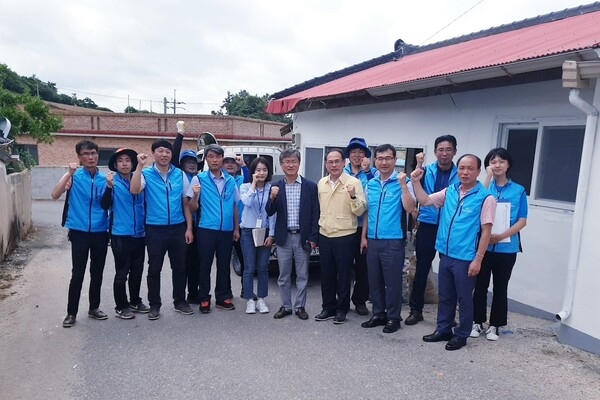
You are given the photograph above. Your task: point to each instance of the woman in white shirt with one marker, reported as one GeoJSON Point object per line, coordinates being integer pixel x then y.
{"type": "Point", "coordinates": [254, 196]}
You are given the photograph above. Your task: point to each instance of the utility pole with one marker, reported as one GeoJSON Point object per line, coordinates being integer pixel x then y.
{"type": "Point", "coordinates": [167, 103]}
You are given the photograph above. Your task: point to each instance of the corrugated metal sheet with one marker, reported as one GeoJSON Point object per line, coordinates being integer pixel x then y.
{"type": "Point", "coordinates": [557, 37]}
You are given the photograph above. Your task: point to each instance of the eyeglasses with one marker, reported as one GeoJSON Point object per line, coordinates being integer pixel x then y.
{"type": "Point", "coordinates": [88, 154]}
{"type": "Point", "coordinates": [290, 162]}
{"type": "Point", "coordinates": [334, 162]}
{"type": "Point", "coordinates": [213, 156]}
{"type": "Point", "coordinates": [386, 159]}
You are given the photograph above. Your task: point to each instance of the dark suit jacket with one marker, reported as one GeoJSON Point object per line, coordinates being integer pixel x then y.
{"type": "Point", "coordinates": [309, 212]}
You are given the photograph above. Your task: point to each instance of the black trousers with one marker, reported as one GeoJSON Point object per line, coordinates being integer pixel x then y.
{"type": "Point", "coordinates": [192, 269]}
{"type": "Point", "coordinates": [336, 272]}
{"type": "Point", "coordinates": [360, 294]}
{"type": "Point", "coordinates": [83, 245]}
{"type": "Point", "coordinates": [425, 249]}
{"type": "Point", "coordinates": [210, 243]}
{"type": "Point", "coordinates": [129, 253]}
{"type": "Point", "coordinates": [500, 265]}
{"type": "Point", "coordinates": [161, 239]}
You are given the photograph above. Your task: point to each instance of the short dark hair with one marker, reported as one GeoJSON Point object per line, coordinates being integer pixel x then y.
{"type": "Point", "coordinates": [445, 138]}
{"type": "Point", "coordinates": [287, 153]}
{"type": "Point", "coordinates": [498, 152]}
{"type": "Point", "coordinates": [382, 148]}
{"type": "Point", "coordinates": [334, 150]}
{"type": "Point", "coordinates": [470, 155]}
{"type": "Point", "coordinates": [266, 163]}
{"type": "Point", "coordinates": [85, 145]}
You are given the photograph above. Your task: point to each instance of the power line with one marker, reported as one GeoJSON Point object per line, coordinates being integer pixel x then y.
{"type": "Point", "coordinates": [451, 22]}
{"type": "Point", "coordinates": [130, 98]}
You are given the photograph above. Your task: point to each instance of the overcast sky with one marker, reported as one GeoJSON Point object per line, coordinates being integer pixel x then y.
{"type": "Point", "coordinates": [145, 49]}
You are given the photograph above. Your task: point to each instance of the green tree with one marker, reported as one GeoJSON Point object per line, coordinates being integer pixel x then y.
{"type": "Point", "coordinates": [29, 116]}
{"type": "Point", "coordinates": [243, 104]}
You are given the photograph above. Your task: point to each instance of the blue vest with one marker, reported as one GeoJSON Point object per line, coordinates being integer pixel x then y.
{"type": "Point", "coordinates": [128, 213]}
{"type": "Point", "coordinates": [163, 196]}
{"type": "Point", "coordinates": [431, 214]}
{"type": "Point", "coordinates": [513, 193]}
{"type": "Point", "coordinates": [384, 205]}
{"type": "Point", "coordinates": [460, 222]}
{"type": "Point", "coordinates": [85, 212]}
{"type": "Point", "coordinates": [364, 179]}
{"type": "Point", "coordinates": [217, 208]}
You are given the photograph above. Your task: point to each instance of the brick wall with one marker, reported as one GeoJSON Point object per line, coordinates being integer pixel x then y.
{"type": "Point", "coordinates": [138, 131]}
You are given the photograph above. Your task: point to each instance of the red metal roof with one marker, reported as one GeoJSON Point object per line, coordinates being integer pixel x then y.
{"type": "Point", "coordinates": [535, 42]}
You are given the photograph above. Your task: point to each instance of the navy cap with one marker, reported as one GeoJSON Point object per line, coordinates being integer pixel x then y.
{"type": "Point", "coordinates": [188, 153]}
{"type": "Point", "coordinates": [358, 143]}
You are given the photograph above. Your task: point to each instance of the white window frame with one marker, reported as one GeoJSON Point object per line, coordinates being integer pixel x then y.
{"type": "Point", "coordinates": [540, 125]}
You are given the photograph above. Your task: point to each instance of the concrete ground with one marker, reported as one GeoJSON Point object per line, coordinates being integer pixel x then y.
{"type": "Point", "coordinates": [228, 354]}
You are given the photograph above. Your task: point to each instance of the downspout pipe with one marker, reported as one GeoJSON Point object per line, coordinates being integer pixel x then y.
{"type": "Point", "coordinates": [581, 199]}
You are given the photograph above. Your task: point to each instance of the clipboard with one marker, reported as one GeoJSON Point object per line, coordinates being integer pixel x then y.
{"type": "Point", "coordinates": [502, 220]}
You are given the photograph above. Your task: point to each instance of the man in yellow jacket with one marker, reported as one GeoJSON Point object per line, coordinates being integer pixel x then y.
{"type": "Point", "coordinates": [342, 200]}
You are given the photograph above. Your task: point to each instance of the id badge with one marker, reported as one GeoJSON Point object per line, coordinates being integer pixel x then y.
{"type": "Point", "coordinates": [259, 223]}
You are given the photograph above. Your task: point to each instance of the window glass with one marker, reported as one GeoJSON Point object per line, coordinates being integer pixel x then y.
{"type": "Point", "coordinates": [104, 156]}
{"type": "Point", "coordinates": [558, 167]}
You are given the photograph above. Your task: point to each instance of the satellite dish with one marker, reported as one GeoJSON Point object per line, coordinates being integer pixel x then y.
{"type": "Point", "coordinates": [204, 140]}
{"type": "Point", "coordinates": [4, 130]}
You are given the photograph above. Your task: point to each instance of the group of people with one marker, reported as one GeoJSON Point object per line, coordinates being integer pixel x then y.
{"type": "Point", "coordinates": [356, 215]}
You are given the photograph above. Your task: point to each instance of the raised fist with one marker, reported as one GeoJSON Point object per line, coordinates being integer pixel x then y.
{"type": "Point", "coordinates": [420, 159]}
{"type": "Point", "coordinates": [416, 175]}
{"type": "Point", "coordinates": [351, 190]}
{"type": "Point", "coordinates": [181, 127]}
{"type": "Point", "coordinates": [402, 178]}
{"type": "Point", "coordinates": [72, 168]}
{"type": "Point", "coordinates": [110, 179]}
{"type": "Point", "coordinates": [366, 164]}
{"type": "Point", "coordinates": [197, 189]}
{"type": "Point", "coordinates": [274, 192]}
{"type": "Point", "coordinates": [142, 158]}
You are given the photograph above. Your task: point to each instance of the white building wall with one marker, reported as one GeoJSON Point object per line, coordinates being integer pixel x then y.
{"type": "Point", "coordinates": [474, 118]}
{"type": "Point", "coordinates": [584, 316]}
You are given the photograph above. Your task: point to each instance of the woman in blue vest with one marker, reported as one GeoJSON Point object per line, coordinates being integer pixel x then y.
{"type": "Point", "coordinates": [501, 254]}
{"type": "Point", "coordinates": [127, 232]}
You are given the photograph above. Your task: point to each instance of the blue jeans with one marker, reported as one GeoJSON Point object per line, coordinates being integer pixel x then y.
{"type": "Point", "coordinates": [255, 259]}
{"type": "Point", "coordinates": [455, 286]}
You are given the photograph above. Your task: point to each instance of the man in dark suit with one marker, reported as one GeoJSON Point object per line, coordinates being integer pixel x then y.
{"type": "Point", "coordinates": [295, 200]}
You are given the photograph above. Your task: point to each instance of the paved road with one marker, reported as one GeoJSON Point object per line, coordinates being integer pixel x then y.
{"type": "Point", "coordinates": [230, 355]}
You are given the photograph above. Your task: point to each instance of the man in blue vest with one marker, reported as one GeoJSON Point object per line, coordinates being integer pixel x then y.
{"type": "Point", "coordinates": [127, 233]}
{"type": "Point", "coordinates": [383, 235]}
{"type": "Point", "coordinates": [217, 194]}
{"type": "Point", "coordinates": [437, 176]}
{"type": "Point", "coordinates": [88, 227]}
{"type": "Point", "coordinates": [466, 219]}
{"type": "Point", "coordinates": [168, 223]}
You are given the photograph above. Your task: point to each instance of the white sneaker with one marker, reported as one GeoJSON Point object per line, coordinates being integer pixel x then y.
{"type": "Point", "coordinates": [262, 306]}
{"type": "Point", "coordinates": [476, 331]}
{"type": "Point", "coordinates": [251, 307]}
{"type": "Point", "coordinates": [492, 333]}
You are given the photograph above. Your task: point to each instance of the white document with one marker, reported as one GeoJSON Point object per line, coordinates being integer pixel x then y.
{"type": "Point", "coordinates": [258, 234]}
{"type": "Point", "coordinates": [502, 220]}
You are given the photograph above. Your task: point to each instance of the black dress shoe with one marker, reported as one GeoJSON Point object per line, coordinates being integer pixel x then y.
{"type": "Point", "coordinates": [340, 318]}
{"type": "Point", "coordinates": [392, 326]}
{"type": "Point", "coordinates": [361, 309]}
{"type": "Point", "coordinates": [69, 321]}
{"type": "Point", "coordinates": [456, 343]}
{"type": "Point", "coordinates": [325, 315]}
{"type": "Point", "coordinates": [301, 313]}
{"type": "Point", "coordinates": [283, 312]}
{"type": "Point", "coordinates": [414, 318]}
{"type": "Point", "coordinates": [374, 322]}
{"type": "Point", "coordinates": [438, 337]}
